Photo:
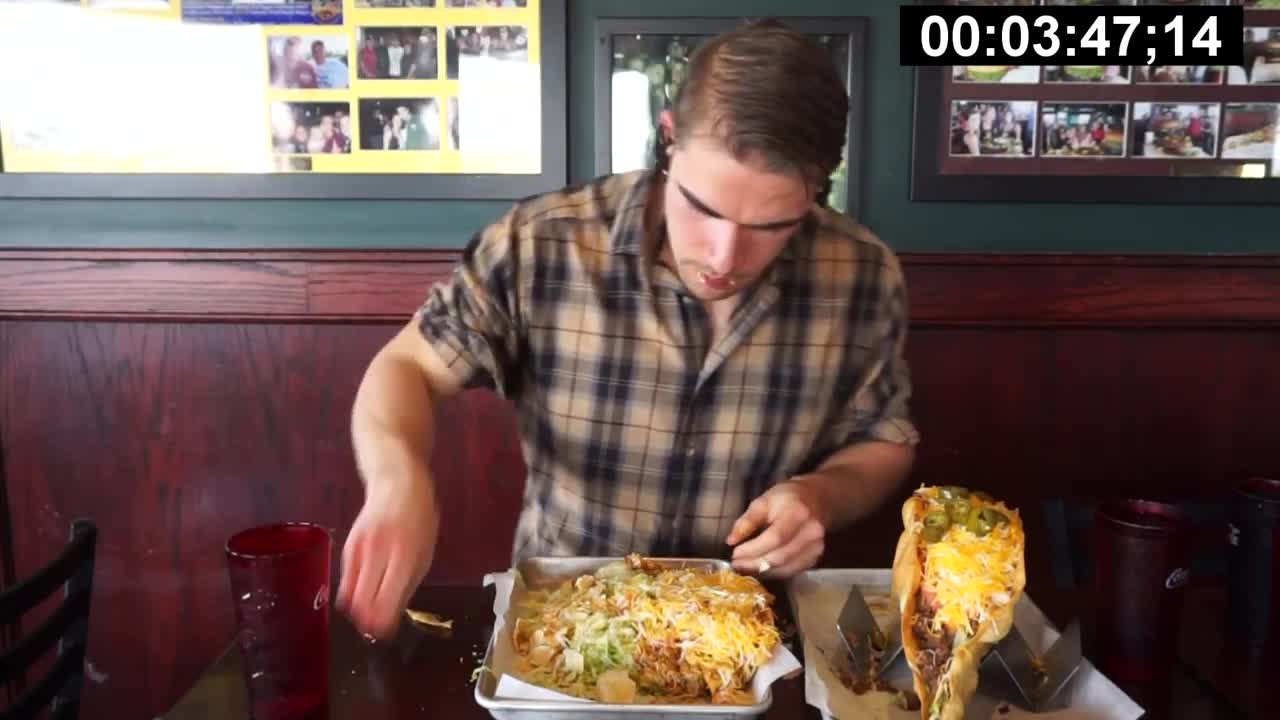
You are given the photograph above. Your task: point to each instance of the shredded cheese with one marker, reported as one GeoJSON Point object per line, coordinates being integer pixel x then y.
{"type": "Point", "coordinates": [970, 575]}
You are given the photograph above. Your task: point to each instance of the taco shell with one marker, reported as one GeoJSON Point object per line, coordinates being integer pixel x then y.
{"type": "Point", "coordinates": [953, 613]}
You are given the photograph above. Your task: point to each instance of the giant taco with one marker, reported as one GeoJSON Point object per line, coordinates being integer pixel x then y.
{"type": "Point", "coordinates": [958, 572]}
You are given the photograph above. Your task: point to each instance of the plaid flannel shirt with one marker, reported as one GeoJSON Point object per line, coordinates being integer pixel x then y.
{"type": "Point", "coordinates": [638, 436]}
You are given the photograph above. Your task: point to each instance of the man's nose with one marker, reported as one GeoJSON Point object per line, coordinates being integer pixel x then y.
{"type": "Point", "coordinates": [724, 248]}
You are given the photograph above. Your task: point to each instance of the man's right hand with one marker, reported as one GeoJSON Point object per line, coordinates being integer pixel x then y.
{"type": "Point", "coordinates": [386, 556]}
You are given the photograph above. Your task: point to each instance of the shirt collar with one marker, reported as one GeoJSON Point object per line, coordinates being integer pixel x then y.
{"type": "Point", "coordinates": [627, 235]}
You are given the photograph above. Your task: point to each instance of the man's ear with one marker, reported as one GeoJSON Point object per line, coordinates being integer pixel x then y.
{"type": "Point", "coordinates": [667, 126]}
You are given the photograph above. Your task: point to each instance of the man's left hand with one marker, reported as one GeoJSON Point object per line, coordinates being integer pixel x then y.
{"type": "Point", "coordinates": [794, 531]}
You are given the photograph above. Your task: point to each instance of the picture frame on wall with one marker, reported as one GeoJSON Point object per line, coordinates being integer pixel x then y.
{"type": "Point", "coordinates": [275, 99]}
{"type": "Point", "coordinates": [1103, 134]}
{"type": "Point", "coordinates": [640, 62]}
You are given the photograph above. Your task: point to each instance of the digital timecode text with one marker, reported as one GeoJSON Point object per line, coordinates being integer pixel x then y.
{"type": "Point", "coordinates": [1122, 35]}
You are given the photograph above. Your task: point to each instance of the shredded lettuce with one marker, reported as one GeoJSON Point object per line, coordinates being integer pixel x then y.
{"type": "Point", "coordinates": [940, 699]}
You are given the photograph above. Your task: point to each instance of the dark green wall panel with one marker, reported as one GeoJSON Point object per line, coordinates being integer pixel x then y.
{"type": "Point", "coordinates": [227, 223]}
{"type": "Point", "coordinates": [903, 224]}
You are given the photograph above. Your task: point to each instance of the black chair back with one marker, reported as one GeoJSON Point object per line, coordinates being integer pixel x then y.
{"type": "Point", "coordinates": [66, 629]}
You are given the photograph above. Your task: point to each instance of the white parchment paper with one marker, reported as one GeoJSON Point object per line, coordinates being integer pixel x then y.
{"type": "Point", "coordinates": [819, 595]}
{"type": "Point", "coordinates": [508, 587]}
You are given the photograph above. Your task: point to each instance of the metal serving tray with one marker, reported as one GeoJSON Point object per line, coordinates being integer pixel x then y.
{"type": "Point", "coordinates": [542, 572]}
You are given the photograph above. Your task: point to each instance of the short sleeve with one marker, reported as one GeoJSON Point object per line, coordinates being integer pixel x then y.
{"type": "Point", "coordinates": [878, 406]}
{"type": "Point", "coordinates": [881, 406]}
{"type": "Point", "coordinates": [472, 318]}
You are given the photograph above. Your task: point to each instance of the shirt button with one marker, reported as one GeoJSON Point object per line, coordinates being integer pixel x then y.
{"type": "Point", "coordinates": [690, 450]}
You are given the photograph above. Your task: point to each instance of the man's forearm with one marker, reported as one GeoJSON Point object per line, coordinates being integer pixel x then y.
{"type": "Point", "coordinates": [392, 424]}
{"type": "Point", "coordinates": [857, 480]}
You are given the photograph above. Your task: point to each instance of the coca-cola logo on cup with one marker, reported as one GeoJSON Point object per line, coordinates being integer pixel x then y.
{"type": "Point", "coordinates": [322, 598]}
{"type": "Point", "coordinates": [1177, 578]}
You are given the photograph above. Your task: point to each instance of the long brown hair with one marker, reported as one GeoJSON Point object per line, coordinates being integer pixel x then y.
{"type": "Point", "coordinates": [769, 95]}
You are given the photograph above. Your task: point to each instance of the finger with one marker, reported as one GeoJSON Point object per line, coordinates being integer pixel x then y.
{"type": "Point", "coordinates": [385, 606]}
{"type": "Point", "coordinates": [810, 532]}
{"type": "Point", "coordinates": [753, 519]}
{"type": "Point", "coordinates": [350, 570]}
{"type": "Point", "coordinates": [393, 593]}
{"type": "Point", "coordinates": [806, 559]}
{"type": "Point", "coordinates": [775, 536]}
{"type": "Point", "coordinates": [373, 565]}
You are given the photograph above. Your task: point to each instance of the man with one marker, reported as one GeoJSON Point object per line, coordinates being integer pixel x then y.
{"type": "Point", "coordinates": [330, 72]}
{"type": "Point", "coordinates": [705, 360]}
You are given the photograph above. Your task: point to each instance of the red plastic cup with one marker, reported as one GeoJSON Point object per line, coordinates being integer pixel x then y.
{"type": "Point", "coordinates": [280, 590]}
{"type": "Point", "coordinates": [1143, 557]}
{"type": "Point", "coordinates": [1253, 588]}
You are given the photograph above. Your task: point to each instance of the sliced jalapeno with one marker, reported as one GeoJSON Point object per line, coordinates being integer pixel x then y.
{"type": "Point", "coordinates": [933, 533]}
{"type": "Point", "coordinates": [950, 492]}
{"type": "Point", "coordinates": [977, 524]}
{"type": "Point", "coordinates": [994, 517]}
{"type": "Point", "coordinates": [958, 509]}
{"type": "Point", "coordinates": [935, 526]}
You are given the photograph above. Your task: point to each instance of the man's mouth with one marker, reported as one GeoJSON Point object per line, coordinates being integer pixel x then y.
{"type": "Point", "coordinates": [717, 282]}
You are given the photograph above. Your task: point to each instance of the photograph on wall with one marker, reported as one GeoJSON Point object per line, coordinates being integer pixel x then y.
{"type": "Point", "coordinates": [500, 42]}
{"type": "Point", "coordinates": [311, 128]}
{"type": "Point", "coordinates": [399, 124]}
{"type": "Point", "coordinates": [1261, 58]}
{"type": "Point", "coordinates": [308, 62]}
{"type": "Point", "coordinates": [292, 163]}
{"type": "Point", "coordinates": [996, 73]}
{"type": "Point", "coordinates": [125, 93]}
{"type": "Point", "coordinates": [993, 128]}
{"type": "Point", "coordinates": [285, 86]}
{"type": "Point", "coordinates": [1175, 130]}
{"type": "Point", "coordinates": [268, 12]}
{"type": "Point", "coordinates": [497, 86]}
{"type": "Point", "coordinates": [451, 118]}
{"type": "Point", "coordinates": [1104, 74]}
{"type": "Point", "coordinates": [1179, 74]}
{"type": "Point", "coordinates": [1249, 131]}
{"type": "Point", "coordinates": [398, 53]}
{"type": "Point", "coordinates": [127, 4]}
{"type": "Point", "coordinates": [487, 3]}
{"type": "Point", "coordinates": [1087, 130]}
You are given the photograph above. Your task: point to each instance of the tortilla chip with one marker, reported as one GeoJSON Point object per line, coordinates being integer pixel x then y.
{"type": "Point", "coordinates": [429, 619]}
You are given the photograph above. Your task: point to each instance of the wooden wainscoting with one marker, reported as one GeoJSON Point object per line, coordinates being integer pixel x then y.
{"type": "Point", "coordinates": [176, 396]}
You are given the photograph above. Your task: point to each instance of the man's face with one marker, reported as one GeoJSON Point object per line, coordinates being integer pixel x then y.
{"type": "Point", "coordinates": [727, 220]}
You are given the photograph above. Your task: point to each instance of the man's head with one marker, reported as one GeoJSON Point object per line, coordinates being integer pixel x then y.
{"type": "Point", "coordinates": [750, 142]}
{"type": "Point", "coordinates": [318, 52]}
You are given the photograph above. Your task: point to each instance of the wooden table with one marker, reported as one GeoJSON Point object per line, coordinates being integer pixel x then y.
{"type": "Point", "coordinates": [421, 674]}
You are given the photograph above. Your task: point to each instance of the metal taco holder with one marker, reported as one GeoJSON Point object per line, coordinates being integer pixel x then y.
{"type": "Point", "coordinates": [542, 572]}
{"type": "Point", "coordinates": [1010, 668]}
